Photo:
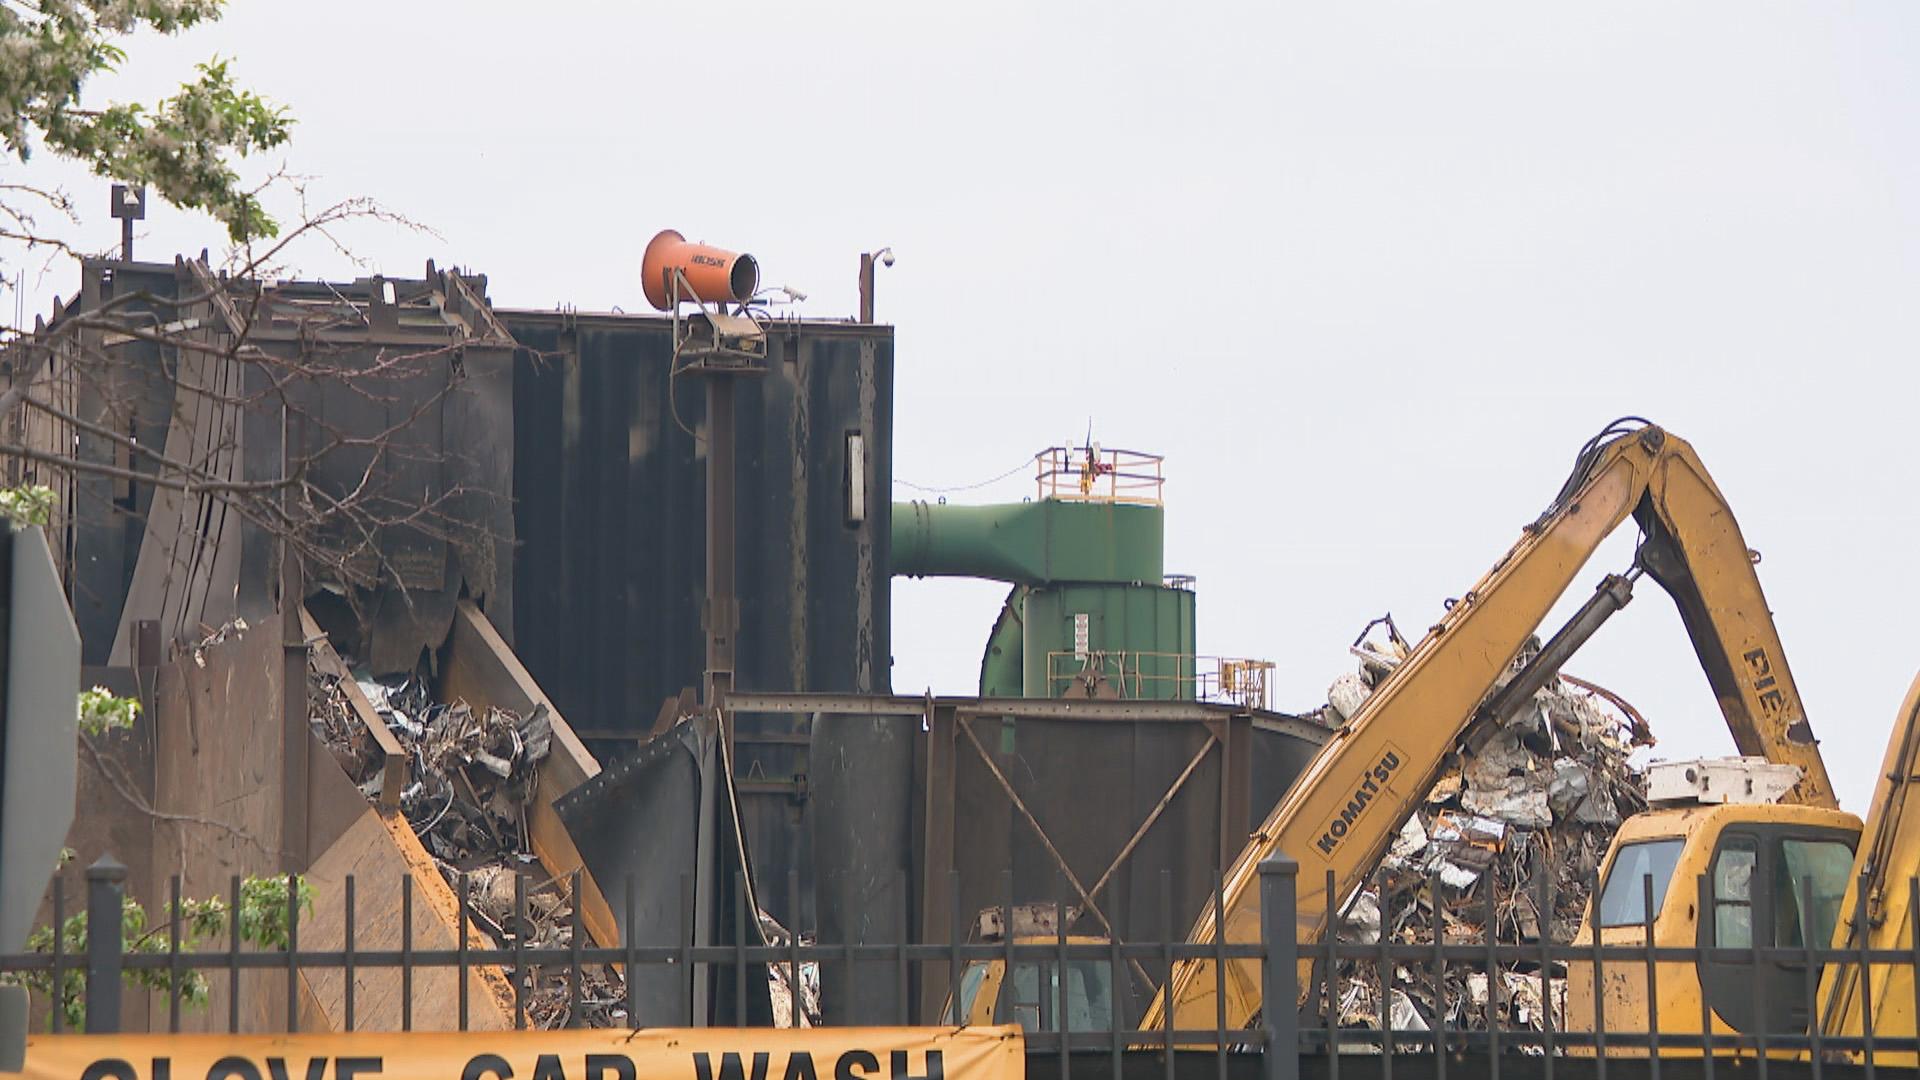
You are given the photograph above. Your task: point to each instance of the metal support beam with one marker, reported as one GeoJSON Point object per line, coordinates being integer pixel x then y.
{"type": "Point", "coordinates": [937, 851]}
{"type": "Point", "coordinates": [723, 608]}
{"type": "Point", "coordinates": [1022, 708]}
{"type": "Point", "coordinates": [295, 735]}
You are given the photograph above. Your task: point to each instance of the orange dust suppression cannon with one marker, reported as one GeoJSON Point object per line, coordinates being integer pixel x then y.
{"type": "Point", "coordinates": [720, 346]}
{"type": "Point", "coordinates": [713, 275]}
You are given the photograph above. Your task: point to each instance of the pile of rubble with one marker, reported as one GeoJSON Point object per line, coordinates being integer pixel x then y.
{"type": "Point", "coordinates": [781, 976]}
{"type": "Point", "coordinates": [1529, 813]}
{"type": "Point", "coordinates": [474, 774]}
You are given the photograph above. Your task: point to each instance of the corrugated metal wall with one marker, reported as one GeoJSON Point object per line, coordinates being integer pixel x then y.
{"type": "Point", "coordinates": [610, 574]}
{"type": "Point", "coordinates": [1089, 785]}
{"type": "Point", "coordinates": [611, 514]}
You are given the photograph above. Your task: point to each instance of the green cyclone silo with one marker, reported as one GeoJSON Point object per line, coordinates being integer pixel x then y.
{"type": "Point", "coordinates": [1002, 665]}
{"type": "Point", "coordinates": [1087, 614]}
{"type": "Point", "coordinates": [1137, 640]}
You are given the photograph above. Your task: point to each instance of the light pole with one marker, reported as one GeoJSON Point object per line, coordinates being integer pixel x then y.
{"type": "Point", "coordinates": [884, 257]}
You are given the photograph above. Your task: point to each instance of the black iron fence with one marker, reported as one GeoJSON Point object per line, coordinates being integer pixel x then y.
{"type": "Point", "coordinates": [1444, 1029]}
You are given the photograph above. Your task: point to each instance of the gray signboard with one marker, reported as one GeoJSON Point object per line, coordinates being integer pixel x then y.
{"type": "Point", "coordinates": [39, 762]}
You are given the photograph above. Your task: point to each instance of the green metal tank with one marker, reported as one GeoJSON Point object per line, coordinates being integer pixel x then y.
{"type": "Point", "coordinates": [1088, 613]}
{"type": "Point", "coordinates": [1135, 641]}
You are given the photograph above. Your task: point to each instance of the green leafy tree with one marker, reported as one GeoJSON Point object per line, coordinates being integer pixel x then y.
{"type": "Point", "coordinates": [181, 147]}
{"type": "Point", "coordinates": [27, 504]}
{"type": "Point", "coordinates": [263, 917]}
{"type": "Point", "coordinates": [264, 903]}
{"type": "Point", "coordinates": [101, 711]}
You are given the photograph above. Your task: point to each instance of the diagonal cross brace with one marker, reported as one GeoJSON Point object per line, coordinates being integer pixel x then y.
{"type": "Point", "coordinates": [1165, 801]}
{"type": "Point", "coordinates": [1058, 859]}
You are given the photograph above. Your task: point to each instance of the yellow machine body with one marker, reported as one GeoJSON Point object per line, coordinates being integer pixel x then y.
{"type": "Point", "coordinates": [1785, 875]}
{"type": "Point", "coordinates": [1746, 853]}
{"type": "Point", "coordinates": [1886, 865]}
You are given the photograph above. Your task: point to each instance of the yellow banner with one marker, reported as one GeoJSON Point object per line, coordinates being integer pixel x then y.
{"type": "Point", "coordinates": [976, 1053]}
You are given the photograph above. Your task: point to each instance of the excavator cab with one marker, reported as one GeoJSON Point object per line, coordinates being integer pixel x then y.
{"type": "Point", "coordinates": [1040, 989]}
{"type": "Point", "coordinates": [1775, 876]}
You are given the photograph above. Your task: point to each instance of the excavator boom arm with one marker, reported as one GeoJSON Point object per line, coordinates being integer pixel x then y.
{"type": "Point", "coordinates": [1342, 813]}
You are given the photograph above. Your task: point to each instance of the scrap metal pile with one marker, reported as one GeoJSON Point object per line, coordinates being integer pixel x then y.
{"type": "Point", "coordinates": [780, 978]}
{"type": "Point", "coordinates": [474, 775]}
{"type": "Point", "coordinates": [1528, 814]}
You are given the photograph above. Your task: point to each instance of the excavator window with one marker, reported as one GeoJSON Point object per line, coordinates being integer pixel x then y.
{"type": "Point", "coordinates": [1816, 872]}
{"type": "Point", "coordinates": [1733, 893]}
{"type": "Point", "coordinates": [1029, 1011]}
{"type": "Point", "coordinates": [1087, 996]}
{"type": "Point", "coordinates": [970, 980]}
{"type": "Point", "coordinates": [1021, 1000]}
{"type": "Point", "coordinates": [1760, 873]}
{"type": "Point", "coordinates": [1623, 900]}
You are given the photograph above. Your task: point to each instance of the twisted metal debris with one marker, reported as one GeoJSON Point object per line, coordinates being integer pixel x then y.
{"type": "Point", "coordinates": [1529, 814]}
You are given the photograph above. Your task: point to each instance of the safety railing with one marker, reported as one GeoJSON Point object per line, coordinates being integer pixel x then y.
{"type": "Point", "coordinates": [1095, 474]}
{"type": "Point", "coordinates": [1470, 1033]}
{"type": "Point", "coordinates": [1134, 674]}
{"type": "Point", "coordinates": [1240, 681]}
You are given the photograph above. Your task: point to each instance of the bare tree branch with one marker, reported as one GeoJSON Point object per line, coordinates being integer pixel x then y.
{"type": "Point", "coordinates": [117, 779]}
{"type": "Point", "coordinates": [337, 525]}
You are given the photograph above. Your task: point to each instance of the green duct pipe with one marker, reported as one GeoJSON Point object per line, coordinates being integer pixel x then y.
{"type": "Point", "coordinates": [1033, 543]}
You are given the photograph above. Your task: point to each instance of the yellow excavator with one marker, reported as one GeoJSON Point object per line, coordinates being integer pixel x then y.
{"type": "Point", "coordinates": [1732, 867]}
{"type": "Point", "coordinates": [1739, 876]}
{"type": "Point", "coordinates": [1345, 810]}
{"type": "Point", "coordinates": [1447, 695]}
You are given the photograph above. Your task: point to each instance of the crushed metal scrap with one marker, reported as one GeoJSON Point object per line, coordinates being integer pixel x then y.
{"type": "Point", "coordinates": [782, 977]}
{"type": "Point", "coordinates": [474, 776]}
{"type": "Point", "coordinates": [1537, 803]}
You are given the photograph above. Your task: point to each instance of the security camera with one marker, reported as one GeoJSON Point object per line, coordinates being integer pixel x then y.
{"type": "Point", "coordinates": [884, 256]}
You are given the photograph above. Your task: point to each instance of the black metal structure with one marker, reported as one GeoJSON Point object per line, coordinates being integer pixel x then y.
{"type": "Point", "coordinates": [416, 365]}
{"type": "Point", "coordinates": [610, 453]}
{"type": "Point", "coordinates": [905, 795]}
{"type": "Point", "coordinates": [583, 453]}
{"type": "Point", "coordinates": [610, 510]}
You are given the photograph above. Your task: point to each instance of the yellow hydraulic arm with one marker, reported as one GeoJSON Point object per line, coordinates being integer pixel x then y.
{"type": "Point", "coordinates": [1887, 860]}
{"type": "Point", "coordinates": [1342, 813]}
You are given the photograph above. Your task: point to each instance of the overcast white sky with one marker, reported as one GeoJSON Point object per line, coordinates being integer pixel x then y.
{"type": "Point", "coordinates": [1366, 274]}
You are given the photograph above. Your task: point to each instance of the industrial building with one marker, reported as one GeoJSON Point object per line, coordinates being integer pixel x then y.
{"type": "Point", "coordinates": [530, 525]}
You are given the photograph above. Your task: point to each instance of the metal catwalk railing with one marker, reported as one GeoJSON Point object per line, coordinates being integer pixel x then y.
{"type": "Point", "coordinates": [1137, 674]}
